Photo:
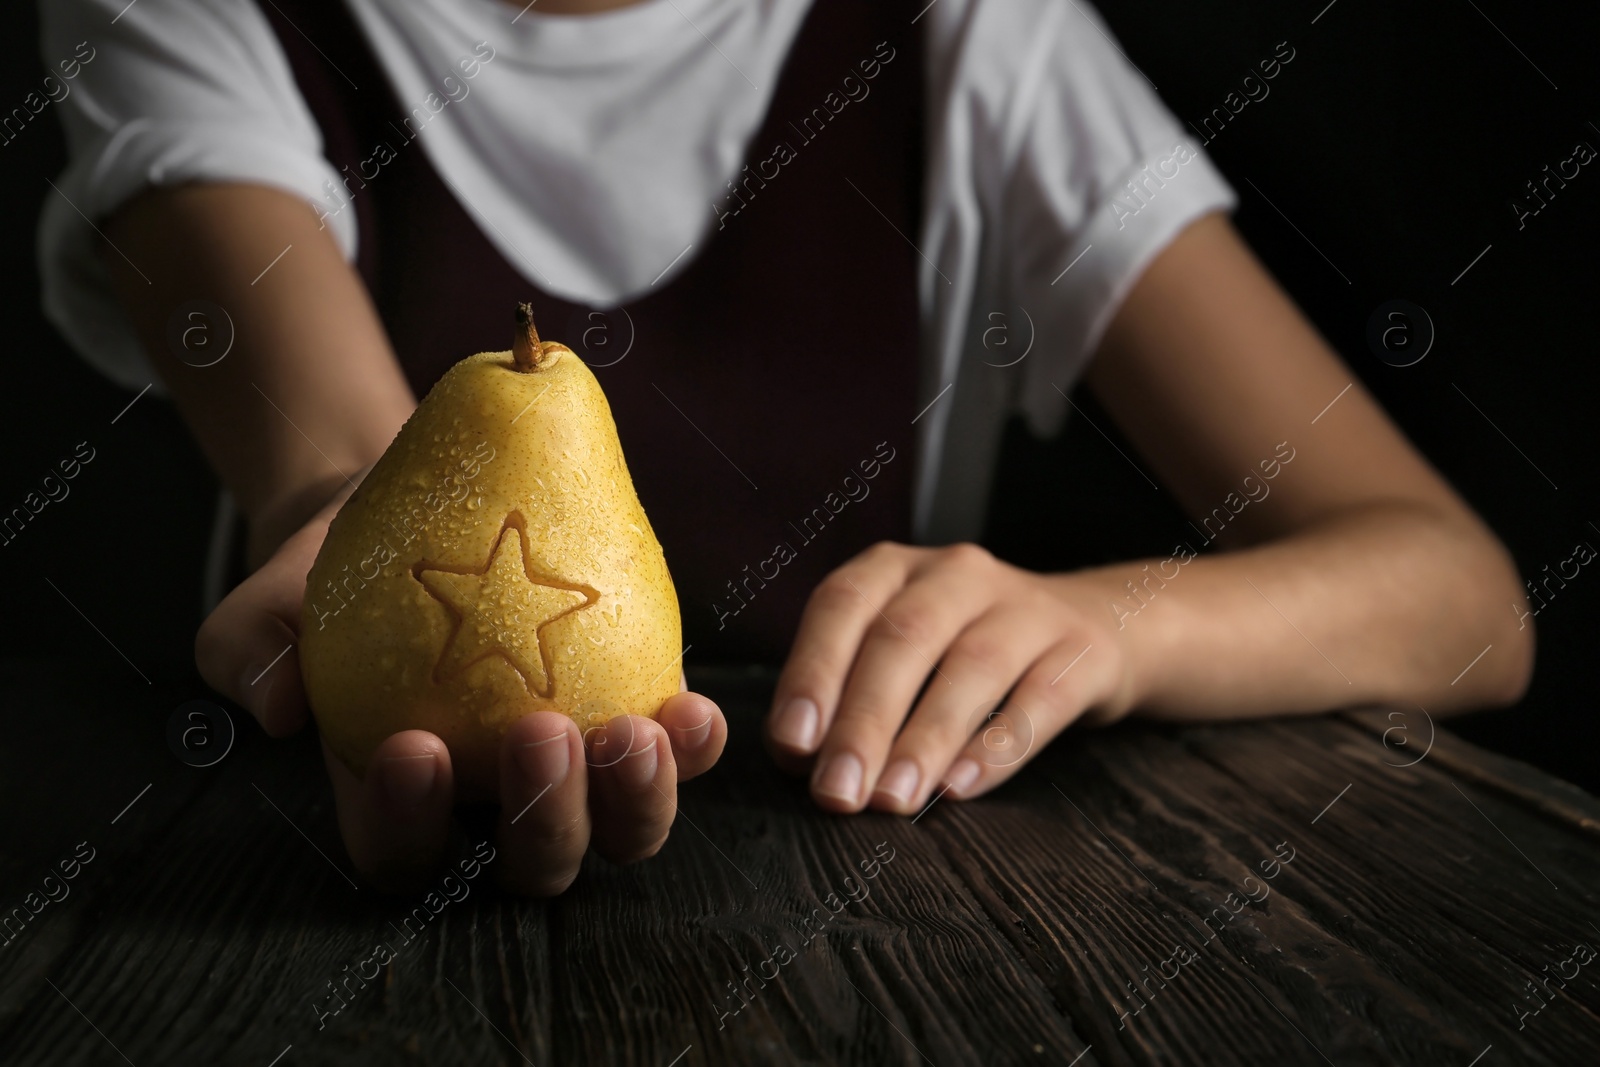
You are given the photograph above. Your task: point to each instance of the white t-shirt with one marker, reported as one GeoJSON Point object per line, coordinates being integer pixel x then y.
{"type": "Point", "coordinates": [594, 151]}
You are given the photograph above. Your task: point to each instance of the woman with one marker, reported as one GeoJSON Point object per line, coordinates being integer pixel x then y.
{"type": "Point", "coordinates": [805, 377]}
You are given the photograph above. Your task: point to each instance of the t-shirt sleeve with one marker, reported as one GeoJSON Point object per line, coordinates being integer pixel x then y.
{"type": "Point", "coordinates": [165, 92]}
{"type": "Point", "coordinates": [1104, 178]}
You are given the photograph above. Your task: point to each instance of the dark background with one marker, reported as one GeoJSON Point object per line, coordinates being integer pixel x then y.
{"type": "Point", "coordinates": [1395, 141]}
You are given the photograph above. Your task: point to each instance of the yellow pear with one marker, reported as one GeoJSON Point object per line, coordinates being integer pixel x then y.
{"type": "Point", "coordinates": [495, 561]}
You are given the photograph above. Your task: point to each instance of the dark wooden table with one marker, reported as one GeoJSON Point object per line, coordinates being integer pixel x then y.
{"type": "Point", "coordinates": [1398, 914]}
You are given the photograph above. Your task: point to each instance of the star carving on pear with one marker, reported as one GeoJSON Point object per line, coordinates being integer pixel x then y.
{"type": "Point", "coordinates": [502, 609]}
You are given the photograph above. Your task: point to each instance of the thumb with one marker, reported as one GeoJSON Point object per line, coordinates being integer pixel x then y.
{"type": "Point", "coordinates": [246, 648]}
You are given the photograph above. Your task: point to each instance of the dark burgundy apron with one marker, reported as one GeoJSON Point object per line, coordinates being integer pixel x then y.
{"type": "Point", "coordinates": [765, 381]}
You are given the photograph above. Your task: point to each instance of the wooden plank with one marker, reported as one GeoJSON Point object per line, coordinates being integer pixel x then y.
{"type": "Point", "coordinates": [1099, 905]}
{"type": "Point", "coordinates": [228, 930]}
{"type": "Point", "coordinates": [1407, 736]}
{"type": "Point", "coordinates": [913, 969]}
{"type": "Point", "coordinates": [226, 917]}
{"type": "Point", "coordinates": [85, 763]}
{"type": "Point", "coordinates": [1360, 980]}
{"type": "Point", "coordinates": [1463, 879]}
{"type": "Point", "coordinates": [1003, 931]}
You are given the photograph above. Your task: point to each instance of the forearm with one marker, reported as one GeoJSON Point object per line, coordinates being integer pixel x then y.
{"type": "Point", "coordinates": [310, 392]}
{"type": "Point", "coordinates": [1392, 603]}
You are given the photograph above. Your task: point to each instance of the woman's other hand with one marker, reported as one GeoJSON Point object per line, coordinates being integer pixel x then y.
{"type": "Point", "coordinates": [921, 669]}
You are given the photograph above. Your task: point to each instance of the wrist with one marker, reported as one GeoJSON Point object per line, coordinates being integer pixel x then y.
{"type": "Point", "coordinates": [294, 507]}
{"type": "Point", "coordinates": [1095, 593]}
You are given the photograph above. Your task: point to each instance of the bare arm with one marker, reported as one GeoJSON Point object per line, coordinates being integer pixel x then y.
{"type": "Point", "coordinates": [1366, 578]}
{"type": "Point", "coordinates": [1354, 575]}
{"type": "Point", "coordinates": [308, 345]}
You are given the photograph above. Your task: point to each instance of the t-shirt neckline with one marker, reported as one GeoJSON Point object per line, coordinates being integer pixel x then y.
{"type": "Point", "coordinates": [577, 41]}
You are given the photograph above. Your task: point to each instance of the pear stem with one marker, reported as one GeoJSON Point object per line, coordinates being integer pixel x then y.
{"type": "Point", "coordinates": [526, 349]}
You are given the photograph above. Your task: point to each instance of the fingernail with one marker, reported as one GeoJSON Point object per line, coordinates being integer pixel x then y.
{"type": "Point", "coordinates": [840, 776]}
{"type": "Point", "coordinates": [545, 763]}
{"type": "Point", "coordinates": [963, 776]}
{"type": "Point", "coordinates": [690, 738]}
{"type": "Point", "coordinates": [899, 782]}
{"type": "Point", "coordinates": [795, 724]}
{"type": "Point", "coordinates": [407, 780]}
{"type": "Point", "coordinates": [637, 770]}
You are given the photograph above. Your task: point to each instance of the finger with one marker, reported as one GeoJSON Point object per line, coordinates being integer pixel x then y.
{"type": "Point", "coordinates": [983, 662]}
{"type": "Point", "coordinates": [697, 730]}
{"type": "Point", "coordinates": [245, 648]}
{"type": "Point", "coordinates": [1053, 694]}
{"type": "Point", "coordinates": [633, 788]}
{"type": "Point", "coordinates": [836, 616]}
{"type": "Point", "coordinates": [898, 652]}
{"type": "Point", "coordinates": [396, 821]}
{"type": "Point", "coordinates": [544, 816]}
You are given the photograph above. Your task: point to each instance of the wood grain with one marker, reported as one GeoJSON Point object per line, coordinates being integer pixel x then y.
{"type": "Point", "coordinates": [1413, 913]}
